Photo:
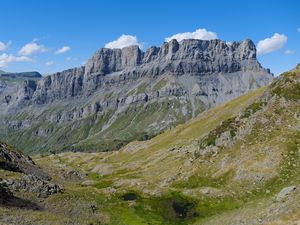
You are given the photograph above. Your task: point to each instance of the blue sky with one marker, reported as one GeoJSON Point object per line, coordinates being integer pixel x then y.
{"type": "Point", "coordinates": [81, 27]}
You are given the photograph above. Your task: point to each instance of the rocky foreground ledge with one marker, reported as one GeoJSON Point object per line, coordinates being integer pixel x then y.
{"type": "Point", "coordinates": [20, 173]}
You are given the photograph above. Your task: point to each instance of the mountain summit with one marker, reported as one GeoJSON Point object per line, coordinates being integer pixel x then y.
{"type": "Point", "coordinates": [126, 94]}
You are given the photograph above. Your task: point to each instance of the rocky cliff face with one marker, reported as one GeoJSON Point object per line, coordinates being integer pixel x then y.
{"type": "Point", "coordinates": [164, 86]}
{"type": "Point", "coordinates": [109, 67]}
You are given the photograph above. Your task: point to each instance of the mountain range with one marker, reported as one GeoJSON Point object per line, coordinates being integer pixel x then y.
{"type": "Point", "coordinates": [121, 95]}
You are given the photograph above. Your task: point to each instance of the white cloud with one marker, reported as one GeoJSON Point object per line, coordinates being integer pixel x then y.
{"type": "Point", "coordinates": [4, 46]}
{"type": "Point", "coordinates": [62, 50]}
{"type": "Point", "coordinates": [124, 41]}
{"type": "Point", "coordinates": [49, 63]}
{"type": "Point", "coordinates": [298, 29]}
{"type": "Point", "coordinates": [71, 59]}
{"type": "Point", "coordinates": [289, 52]}
{"type": "Point", "coordinates": [6, 59]}
{"type": "Point", "coordinates": [272, 44]}
{"type": "Point", "coordinates": [32, 48]}
{"type": "Point", "coordinates": [201, 34]}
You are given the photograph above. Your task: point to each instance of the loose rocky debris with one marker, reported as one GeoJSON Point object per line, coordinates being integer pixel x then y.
{"type": "Point", "coordinates": [73, 175]}
{"type": "Point", "coordinates": [7, 199]}
{"type": "Point", "coordinates": [30, 183]}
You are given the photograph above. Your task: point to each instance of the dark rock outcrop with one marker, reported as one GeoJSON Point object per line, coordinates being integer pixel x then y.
{"type": "Point", "coordinates": [18, 162]}
{"type": "Point", "coordinates": [33, 178]}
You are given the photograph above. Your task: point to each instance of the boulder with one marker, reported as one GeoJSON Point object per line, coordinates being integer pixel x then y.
{"type": "Point", "coordinates": [285, 193]}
